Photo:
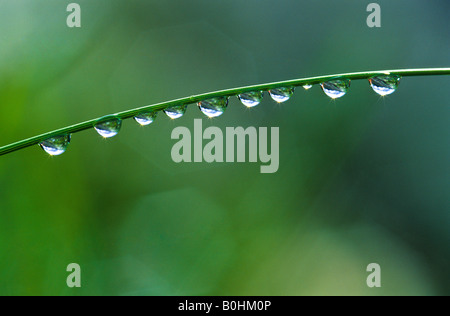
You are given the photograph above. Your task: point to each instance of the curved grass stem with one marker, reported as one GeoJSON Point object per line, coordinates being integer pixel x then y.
{"type": "Point", "coordinates": [229, 92]}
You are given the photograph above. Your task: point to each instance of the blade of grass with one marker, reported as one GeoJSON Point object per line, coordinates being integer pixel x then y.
{"type": "Point", "coordinates": [229, 92]}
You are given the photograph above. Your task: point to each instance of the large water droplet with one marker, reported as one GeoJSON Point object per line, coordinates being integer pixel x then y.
{"type": "Point", "coordinates": [146, 118]}
{"type": "Point", "coordinates": [108, 128]}
{"type": "Point", "coordinates": [213, 107]}
{"type": "Point", "coordinates": [251, 99]}
{"type": "Point", "coordinates": [56, 145]}
{"type": "Point", "coordinates": [337, 88]}
{"type": "Point", "coordinates": [175, 112]}
{"type": "Point", "coordinates": [385, 84]}
{"type": "Point", "coordinates": [281, 95]}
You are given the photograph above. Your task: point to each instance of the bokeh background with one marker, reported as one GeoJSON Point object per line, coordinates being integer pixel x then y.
{"type": "Point", "coordinates": [362, 179]}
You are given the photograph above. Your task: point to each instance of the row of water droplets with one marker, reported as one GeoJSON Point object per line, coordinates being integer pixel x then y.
{"type": "Point", "coordinates": [108, 127]}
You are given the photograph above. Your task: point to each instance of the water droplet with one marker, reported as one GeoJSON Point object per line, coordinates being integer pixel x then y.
{"type": "Point", "coordinates": [281, 95]}
{"type": "Point", "coordinates": [146, 118]}
{"type": "Point", "coordinates": [385, 84]}
{"type": "Point", "coordinates": [108, 128]}
{"type": "Point", "coordinates": [337, 88]}
{"type": "Point", "coordinates": [56, 145]}
{"type": "Point", "coordinates": [307, 86]}
{"type": "Point", "coordinates": [251, 99]}
{"type": "Point", "coordinates": [175, 112]}
{"type": "Point", "coordinates": [214, 107]}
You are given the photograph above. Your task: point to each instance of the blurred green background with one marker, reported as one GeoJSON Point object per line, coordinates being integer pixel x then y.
{"type": "Point", "coordinates": [361, 180]}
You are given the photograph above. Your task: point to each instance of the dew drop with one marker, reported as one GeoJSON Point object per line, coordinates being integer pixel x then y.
{"type": "Point", "coordinates": [56, 145]}
{"type": "Point", "coordinates": [385, 84]}
{"type": "Point", "coordinates": [108, 128]}
{"type": "Point", "coordinates": [337, 88]}
{"type": "Point", "coordinates": [146, 118]}
{"type": "Point", "coordinates": [213, 107]}
{"type": "Point", "coordinates": [282, 95]}
{"type": "Point", "coordinates": [307, 86]}
{"type": "Point", "coordinates": [175, 112]}
{"type": "Point", "coordinates": [251, 99]}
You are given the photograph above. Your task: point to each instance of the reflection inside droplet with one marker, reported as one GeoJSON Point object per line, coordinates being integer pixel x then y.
{"type": "Point", "coordinates": [282, 95]}
{"type": "Point", "coordinates": [146, 118]}
{"type": "Point", "coordinates": [336, 88]}
{"type": "Point", "coordinates": [56, 145]}
{"type": "Point", "coordinates": [251, 99]}
{"type": "Point", "coordinates": [108, 128]}
{"type": "Point", "coordinates": [175, 112]}
{"type": "Point", "coordinates": [385, 84]}
{"type": "Point", "coordinates": [213, 107]}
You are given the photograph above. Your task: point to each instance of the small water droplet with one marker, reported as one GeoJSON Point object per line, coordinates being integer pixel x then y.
{"type": "Point", "coordinates": [146, 118]}
{"type": "Point", "coordinates": [108, 128]}
{"type": "Point", "coordinates": [175, 112]}
{"type": "Point", "coordinates": [213, 107]}
{"type": "Point", "coordinates": [251, 99]}
{"type": "Point", "coordinates": [337, 88]}
{"type": "Point", "coordinates": [282, 95]}
{"type": "Point", "coordinates": [56, 145]}
{"type": "Point", "coordinates": [307, 86]}
{"type": "Point", "coordinates": [385, 84]}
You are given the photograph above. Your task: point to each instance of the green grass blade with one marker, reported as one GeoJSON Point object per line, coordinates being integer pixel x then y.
{"type": "Point", "coordinates": [229, 92]}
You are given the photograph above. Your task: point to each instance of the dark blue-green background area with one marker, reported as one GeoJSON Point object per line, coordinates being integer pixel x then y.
{"type": "Point", "coordinates": [362, 179]}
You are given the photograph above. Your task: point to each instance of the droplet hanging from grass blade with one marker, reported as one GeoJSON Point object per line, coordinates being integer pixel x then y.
{"type": "Point", "coordinates": [146, 118]}
{"type": "Point", "coordinates": [57, 145]}
{"type": "Point", "coordinates": [108, 128]}
{"type": "Point", "coordinates": [385, 84]}
{"type": "Point", "coordinates": [336, 88]}
{"type": "Point", "coordinates": [307, 86]}
{"type": "Point", "coordinates": [214, 107]}
{"type": "Point", "coordinates": [175, 112]}
{"type": "Point", "coordinates": [251, 99]}
{"type": "Point", "coordinates": [281, 95]}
